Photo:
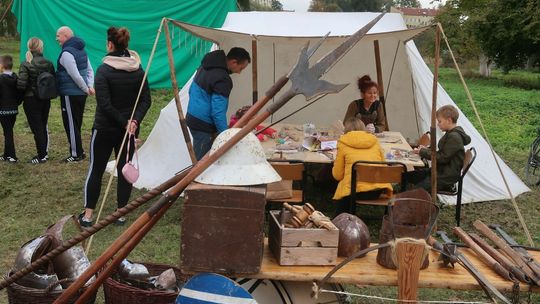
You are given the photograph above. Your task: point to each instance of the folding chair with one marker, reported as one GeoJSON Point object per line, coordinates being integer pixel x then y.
{"type": "Point", "coordinates": [470, 156]}
{"type": "Point", "coordinates": [295, 171]}
{"type": "Point", "coordinates": [376, 172]}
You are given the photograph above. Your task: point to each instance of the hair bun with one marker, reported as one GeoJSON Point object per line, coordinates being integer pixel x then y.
{"type": "Point", "coordinates": [364, 79]}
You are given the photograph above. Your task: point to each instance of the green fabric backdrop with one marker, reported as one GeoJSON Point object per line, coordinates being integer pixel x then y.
{"type": "Point", "coordinates": [90, 19]}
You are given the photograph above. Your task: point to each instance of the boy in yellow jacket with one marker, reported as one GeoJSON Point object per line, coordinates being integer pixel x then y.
{"type": "Point", "coordinates": [356, 144]}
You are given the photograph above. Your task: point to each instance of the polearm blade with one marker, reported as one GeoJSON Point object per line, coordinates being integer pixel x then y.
{"type": "Point", "coordinates": [306, 80]}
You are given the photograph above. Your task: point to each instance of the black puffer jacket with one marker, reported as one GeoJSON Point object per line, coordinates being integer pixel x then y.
{"type": "Point", "coordinates": [449, 156]}
{"type": "Point", "coordinates": [29, 71]}
{"type": "Point", "coordinates": [9, 96]}
{"type": "Point", "coordinates": [117, 84]}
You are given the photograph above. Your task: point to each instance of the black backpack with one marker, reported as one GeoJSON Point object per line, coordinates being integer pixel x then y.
{"type": "Point", "coordinates": [46, 86]}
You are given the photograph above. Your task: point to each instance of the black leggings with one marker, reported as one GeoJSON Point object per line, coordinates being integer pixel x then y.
{"type": "Point", "coordinates": [101, 146]}
{"type": "Point", "coordinates": [72, 117]}
{"type": "Point", "coordinates": [37, 113]}
{"type": "Point", "coordinates": [8, 122]}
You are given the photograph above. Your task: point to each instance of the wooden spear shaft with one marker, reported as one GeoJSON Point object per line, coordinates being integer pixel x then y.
{"type": "Point", "coordinates": [181, 117]}
{"type": "Point", "coordinates": [516, 257]}
{"type": "Point", "coordinates": [499, 257]}
{"type": "Point", "coordinates": [121, 255]}
{"type": "Point", "coordinates": [482, 255]}
{"type": "Point", "coordinates": [126, 236]}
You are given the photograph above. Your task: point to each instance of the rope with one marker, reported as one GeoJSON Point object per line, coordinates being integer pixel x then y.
{"type": "Point", "coordinates": [6, 11]}
{"type": "Point", "coordinates": [396, 300]}
{"type": "Point", "coordinates": [469, 96]}
{"type": "Point", "coordinates": [393, 244]}
{"type": "Point", "coordinates": [89, 244]}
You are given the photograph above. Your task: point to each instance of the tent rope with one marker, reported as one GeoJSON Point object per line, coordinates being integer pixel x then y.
{"type": "Point", "coordinates": [396, 300]}
{"type": "Point", "coordinates": [469, 96]}
{"type": "Point", "coordinates": [89, 244]}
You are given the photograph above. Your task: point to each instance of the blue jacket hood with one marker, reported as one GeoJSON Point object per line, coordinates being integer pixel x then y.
{"type": "Point", "coordinates": [215, 60]}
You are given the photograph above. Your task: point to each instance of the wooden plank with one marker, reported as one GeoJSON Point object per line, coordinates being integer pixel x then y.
{"type": "Point", "coordinates": [366, 271]}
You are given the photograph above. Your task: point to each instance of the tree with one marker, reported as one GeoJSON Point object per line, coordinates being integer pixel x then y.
{"type": "Point", "coordinates": [346, 6]}
{"type": "Point", "coordinates": [400, 3]}
{"type": "Point", "coordinates": [505, 31]}
{"type": "Point", "coordinates": [324, 6]}
{"type": "Point", "coordinates": [8, 25]}
{"type": "Point", "coordinates": [243, 5]}
{"type": "Point", "coordinates": [276, 5]}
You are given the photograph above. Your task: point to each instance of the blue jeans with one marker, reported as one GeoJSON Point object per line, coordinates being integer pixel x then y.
{"type": "Point", "coordinates": [202, 142]}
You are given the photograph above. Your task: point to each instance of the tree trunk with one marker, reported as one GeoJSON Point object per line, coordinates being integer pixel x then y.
{"type": "Point", "coordinates": [484, 69]}
{"type": "Point", "coordinates": [531, 61]}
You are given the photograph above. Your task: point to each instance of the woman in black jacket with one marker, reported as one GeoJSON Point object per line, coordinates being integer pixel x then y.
{"type": "Point", "coordinates": [36, 109]}
{"type": "Point", "coordinates": [117, 84]}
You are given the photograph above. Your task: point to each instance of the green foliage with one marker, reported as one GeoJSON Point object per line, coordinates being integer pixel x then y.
{"type": "Point", "coordinates": [506, 31]}
{"type": "Point", "coordinates": [346, 6]}
{"type": "Point", "coordinates": [400, 3]}
{"type": "Point", "coordinates": [8, 25]}
{"type": "Point", "coordinates": [276, 5]}
{"type": "Point", "coordinates": [459, 34]}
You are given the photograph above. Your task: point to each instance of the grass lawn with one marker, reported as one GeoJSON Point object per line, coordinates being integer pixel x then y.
{"type": "Point", "coordinates": [32, 197]}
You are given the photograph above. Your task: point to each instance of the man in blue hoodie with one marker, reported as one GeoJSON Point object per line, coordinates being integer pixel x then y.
{"type": "Point", "coordinates": [75, 79]}
{"type": "Point", "coordinates": [209, 96]}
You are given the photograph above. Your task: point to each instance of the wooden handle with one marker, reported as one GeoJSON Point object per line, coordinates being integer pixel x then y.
{"type": "Point", "coordinates": [482, 254]}
{"type": "Point", "coordinates": [516, 257]}
{"type": "Point", "coordinates": [409, 260]}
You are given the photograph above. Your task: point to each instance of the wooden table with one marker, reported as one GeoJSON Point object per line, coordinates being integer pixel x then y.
{"type": "Point", "coordinates": [366, 271]}
{"type": "Point", "coordinates": [390, 142]}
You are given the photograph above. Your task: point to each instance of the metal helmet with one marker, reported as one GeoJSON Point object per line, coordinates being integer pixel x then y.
{"type": "Point", "coordinates": [353, 234]}
{"type": "Point", "coordinates": [244, 164]}
{"type": "Point", "coordinates": [72, 263]}
{"type": "Point", "coordinates": [28, 253]}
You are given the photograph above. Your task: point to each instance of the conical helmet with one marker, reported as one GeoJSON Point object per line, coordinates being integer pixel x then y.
{"type": "Point", "coordinates": [244, 164]}
{"type": "Point", "coordinates": [353, 234]}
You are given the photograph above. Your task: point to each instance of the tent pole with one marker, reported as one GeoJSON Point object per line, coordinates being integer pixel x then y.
{"type": "Point", "coordinates": [380, 79]}
{"type": "Point", "coordinates": [254, 73]}
{"type": "Point", "coordinates": [181, 117]}
{"type": "Point", "coordinates": [433, 127]}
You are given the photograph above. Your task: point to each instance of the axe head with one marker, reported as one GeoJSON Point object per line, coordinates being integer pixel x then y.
{"type": "Point", "coordinates": [306, 80]}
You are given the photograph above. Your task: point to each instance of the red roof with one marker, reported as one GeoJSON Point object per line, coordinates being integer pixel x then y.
{"type": "Point", "coordinates": [410, 11]}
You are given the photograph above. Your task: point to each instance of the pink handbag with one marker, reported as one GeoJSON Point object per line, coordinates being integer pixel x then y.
{"type": "Point", "coordinates": [131, 169]}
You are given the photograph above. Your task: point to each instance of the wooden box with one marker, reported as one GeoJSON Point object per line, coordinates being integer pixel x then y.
{"type": "Point", "coordinates": [222, 229]}
{"type": "Point", "coordinates": [301, 246]}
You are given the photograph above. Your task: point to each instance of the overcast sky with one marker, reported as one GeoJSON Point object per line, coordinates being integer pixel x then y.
{"type": "Point", "coordinates": [303, 5]}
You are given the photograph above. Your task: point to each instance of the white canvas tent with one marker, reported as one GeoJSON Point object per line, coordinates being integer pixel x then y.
{"type": "Point", "coordinates": [279, 36]}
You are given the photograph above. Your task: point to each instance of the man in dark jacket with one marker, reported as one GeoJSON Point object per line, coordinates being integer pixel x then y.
{"type": "Point", "coordinates": [75, 79]}
{"type": "Point", "coordinates": [450, 153]}
{"type": "Point", "coordinates": [209, 96]}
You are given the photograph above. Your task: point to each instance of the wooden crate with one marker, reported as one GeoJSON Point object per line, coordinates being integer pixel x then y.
{"type": "Point", "coordinates": [222, 229]}
{"type": "Point", "coordinates": [301, 246]}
